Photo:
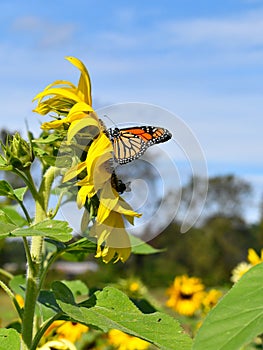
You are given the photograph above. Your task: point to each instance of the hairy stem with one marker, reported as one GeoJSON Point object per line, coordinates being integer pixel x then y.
{"type": "Point", "coordinates": [34, 267]}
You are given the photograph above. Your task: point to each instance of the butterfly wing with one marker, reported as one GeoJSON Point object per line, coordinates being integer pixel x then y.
{"type": "Point", "coordinates": [131, 143]}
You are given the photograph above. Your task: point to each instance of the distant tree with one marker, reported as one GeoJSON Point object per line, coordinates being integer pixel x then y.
{"type": "Point", "coordinates": [227, 196]}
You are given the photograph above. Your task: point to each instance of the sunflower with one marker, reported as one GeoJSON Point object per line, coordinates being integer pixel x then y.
{"type": "Point", "coordinates": [92, 170]}
{"type": "Point", "coordinates": [123, 341]}
{"type": "Point", "coordinates": [186, 295]}
{"type": "Point", "coordinates": [239, 271]}
{"type": "Point", "coordinates": [210, 299]}
{"type": "Point", "coordinates": [253, 257]}
{"type": "Point", "coordinates": [72, 331]}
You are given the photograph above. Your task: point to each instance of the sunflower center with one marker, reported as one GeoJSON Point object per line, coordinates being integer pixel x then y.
{"type": "Point", "coordinates": [185, 296]}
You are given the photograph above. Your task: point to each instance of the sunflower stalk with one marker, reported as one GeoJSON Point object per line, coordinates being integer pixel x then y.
{"type": "Point", "coordinates": [34, 266]}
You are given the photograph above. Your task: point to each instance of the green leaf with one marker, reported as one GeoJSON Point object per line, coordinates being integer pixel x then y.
{"type": "Point", "coordinates": [5, 188]}
{"type": "Point", "coordinates": [9, 339]}
{"type": "Point", "coordinates": [112, 309]}
{"type": "Point", "coordinates": [13, 216]}
{"type": "Point", "coordinates": [6, 223]}
{"type": "Point", "coordinates": [140, 247]}
{"type": "Point", "coordinates": [7, 191]}
{"type": "Point", "coordinates": [47, 305]}
{"type": "Point", "coordinates": [55, 229]}
{"type": "Point", "coordinates": [78, 251]}
{"type": "Point", "coordinates": [77, 287]}
{"type": "Point", "coordinates": [18, 284]}
{"type": "Point", "coordinates": [48, 139]}
{"type": "Point", "coordinates": [238, 317]}
{"type": "Point", "coordinates": [4, 165]}
{"type": "Point", "coordinates": [20, 192]}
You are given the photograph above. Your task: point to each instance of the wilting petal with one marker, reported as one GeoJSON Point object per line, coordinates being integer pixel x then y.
{"type": "Point", "coordinates": [111, 201]}
{"type": "Point", "coordinates": [114, 236]}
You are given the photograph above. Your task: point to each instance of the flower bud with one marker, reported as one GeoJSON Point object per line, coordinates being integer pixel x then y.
{"type": "Point", "coordinates": [18, 152]}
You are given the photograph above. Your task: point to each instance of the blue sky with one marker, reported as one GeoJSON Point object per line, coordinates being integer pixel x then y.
{"type": "Point", "coordinates": [201, 60]}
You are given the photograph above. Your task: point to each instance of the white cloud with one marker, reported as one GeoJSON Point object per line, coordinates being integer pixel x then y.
{"type": "Point", "coordinates": [240, 30]}
{"type": "Point", "coordinates": [45, 34]}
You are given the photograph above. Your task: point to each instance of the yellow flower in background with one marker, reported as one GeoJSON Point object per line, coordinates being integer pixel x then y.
{"type": "Point", "coordinates": [20, 300]}
{"type": "Point", "coordinates": [132, 286]}
{"type": "Point", "coordinates": [210, 299]}
{"type": "Point", "coordinates": [60, 96]}
{"type": "Point", "coordinates": [239, 271]}
{"type": "Point", "coordinates": [253, 257]}
{"type": "Point", "coordinates": [186, 295]}
{"type": "Point", "coordinates": [71, 331]}
{"type": "Point", "coordinates": [123, 341]}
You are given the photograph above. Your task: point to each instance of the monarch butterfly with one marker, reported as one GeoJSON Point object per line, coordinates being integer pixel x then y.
{"type": "Point", "coordinates": [131, 143]}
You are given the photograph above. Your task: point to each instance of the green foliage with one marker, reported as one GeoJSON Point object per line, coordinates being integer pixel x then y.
{"type": "Point", "coordinates": [238, 317]}
{"type": "Point", "coordinates": [111, 309]}
{"type": "Point", "coordinates": [7, 191]}
{"type": "Point", "coordinates": [58, 230]}
{"type": "Point", "coordinates": [9, 339]}
{"type": "Point", "coordinates": [140, 247]}
{"type": "Point", "coordinates": [209, 251]}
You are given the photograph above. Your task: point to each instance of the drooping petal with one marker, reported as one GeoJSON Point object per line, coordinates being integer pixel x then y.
{"type": "Point", "coordinates": [62, 92]}
{"type": "Point", "coordinates": [113, 235]}
{"type": "Point", "coordinates": [84, 85]}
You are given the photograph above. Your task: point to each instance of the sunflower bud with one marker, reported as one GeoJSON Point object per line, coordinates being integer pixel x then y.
{"type": "Point", "coordinates": [18, 152]}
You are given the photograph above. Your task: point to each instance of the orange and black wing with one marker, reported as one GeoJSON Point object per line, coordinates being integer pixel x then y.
{"type": "Point", "coordinates": [131, 143]}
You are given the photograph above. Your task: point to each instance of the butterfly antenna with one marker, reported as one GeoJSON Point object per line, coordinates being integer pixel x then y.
{"type": "Point", "coordinates": [106, 116]}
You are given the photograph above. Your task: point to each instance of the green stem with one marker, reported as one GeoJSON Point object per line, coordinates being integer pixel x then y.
{"type": "Point", "coordinates": [28, 181]}
{"type": "Point", "coordinates": [55, 211]}
{"type": "Point", "coordinates": [7, 290]}
{"type": "Point", "coordinates": [28, 254]}
{"type": "Point", "coordinates": [46, 268]}
{"type": "Point", "coordinates": [34, 269]}
{"type": "Point", "coordinates": [6, 274]}
{"type": "Point", "coordinates": [25, 211]}
{"type": "Point", "coordinates": [42, 330]}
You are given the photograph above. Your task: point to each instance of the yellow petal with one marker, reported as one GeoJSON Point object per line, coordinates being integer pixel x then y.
{"type": "Point", "coordinates": [80, 108]}
{"type": "Point", "coordinates": [64, 83]}
{"type": "Point", "coordinates": [63, 92]}
{"type": "Point", "coordinates": [116, 239]}
{"type": "Point", "coordinates": [78, 125]}
{"type": "Point", "coordinates": [83, 193]}
{"type": "Point", "coordinates": [74, 171]}
{"type": "Point", "coordinates": [53, 125]}
{"type": "Point", "coordinates": [111, 201]}
{"type": "Point", "coordinates": [84, 85]}
{"type": "Point", "coordinates": [252, 257]}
